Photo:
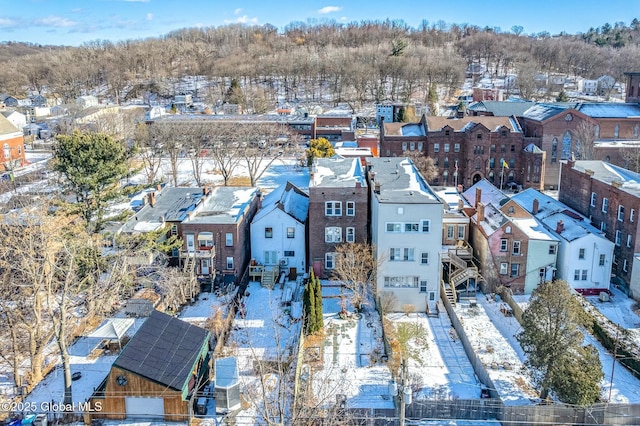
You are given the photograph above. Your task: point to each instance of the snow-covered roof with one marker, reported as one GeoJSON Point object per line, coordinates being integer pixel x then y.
{"type": "Point", "coordinates": [337, 172]}
{"type": "Point", "coordinates": [400, 181]}
{"type": "Point", "coordinates": [541, 112]}
{"type": "Point", "coordinates": [435, 123]}
{"type": "Point", "coordinates": [404, 129]}
{"type": "Point", "coordinates": [493, 219]}
{"type": "Point", "coordinates": [532, 148]}
{"type": "Point", "coordinates": [112, 328]}
{"type": "Point", "coordinates": [288, 198]}
{"type": "Point", "coordinates": [7, 127]}
{"type": "Point", "coordinates": [533, 229]}
{"type": "Point", "coordinates": [225, 204]}
{"type": "Point", "coordinates": [490, 194]}
{"type": "Point", "coordinates": [502, 108]}
{"type": "Point", "coordinates": [450, 196]}
{"type": "Point", "coordinates": [609, 110]}
{"type": "Point", "coordinates": [608, 173]}
{"type": "Point", "coordinates": [226, 372]}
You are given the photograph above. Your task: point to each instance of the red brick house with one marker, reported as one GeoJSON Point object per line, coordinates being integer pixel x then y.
{"type": "Point", "coordinates": [12, 142]}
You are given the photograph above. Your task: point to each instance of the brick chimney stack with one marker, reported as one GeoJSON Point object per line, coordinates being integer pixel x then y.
{"type": "Point", "coordinates": [559, 226]}
{"type": "Point", "coordinates": [480, 212]}
{"type": "Point", "coordinates": [152, 199]}
{"type": "Point", "coordinates": [536, 206]}
{"type": "Point", "coordinates": [478, 197]}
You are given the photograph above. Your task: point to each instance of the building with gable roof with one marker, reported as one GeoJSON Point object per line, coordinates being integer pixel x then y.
{"type": "Point", "coordinates": [513, 248]}
{"type": "Point", "coordinates": [338, 209]}
{"type": "Point", "coordinates": [406, 233]}
{"type": "Point", "coordinates": [610, 196]}
{"type": "Point", "coordinates": [278, 230]}
{"type": "Point", "coordinates": [585, 256]}
{"type": "Point", "coordinates": [159, 374]}
{"type": "Point", "coordinates": [12, 142]}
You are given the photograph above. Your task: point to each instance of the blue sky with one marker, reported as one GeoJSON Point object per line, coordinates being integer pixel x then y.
{"type": "Point", "coordinates": [74, 22]}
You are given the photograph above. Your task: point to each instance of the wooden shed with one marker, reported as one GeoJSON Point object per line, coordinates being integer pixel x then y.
{"type": "Point", "coordinates": [158, 374]}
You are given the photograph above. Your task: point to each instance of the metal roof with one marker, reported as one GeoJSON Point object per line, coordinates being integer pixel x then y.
{"type": "Point", "coordinates": [502, 108]}
{"type": "Point", "coordinates": [164, 350]}
{"type": "Point", "coordinates": [609, 110]}
{"type": "Point", "coordinates": [400, 182]}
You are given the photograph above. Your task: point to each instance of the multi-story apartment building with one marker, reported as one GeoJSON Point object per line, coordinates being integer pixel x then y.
{"type": "Point", "coordinates": [406, 233]}
{"type": "Point", "coordinates": [610, 196]}
{"type": "Point", "coordinates": [338, 209]}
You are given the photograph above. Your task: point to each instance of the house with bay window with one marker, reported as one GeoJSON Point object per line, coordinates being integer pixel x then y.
{"type": "Point", "coordinates": [278, 230]}
{"type": "Point", "coordinates": [338, 209]}
{"type": "Point", "coordinates": [406, 233]}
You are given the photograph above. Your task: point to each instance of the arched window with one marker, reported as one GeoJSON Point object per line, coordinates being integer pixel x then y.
{"type": "Point", "coordinates": [512, 210]}
{"type": "Point", "coordinates": [445, 163]}
{"type": "Point", "coordinates": [507, 230]}
{"type": "Point", "coordinates": [511, 176]}
{"type": "Point", "coordinates": [566, 146]}
{"type": "Point", "coordinates": [632, 92]}
{"type": "Point", "coordinates": [492, 177]}
{"type": "Point", "coordinates": [477, 164]}
{"type": "Point", "coordinates": [597, 132]}
{"type": "Point", "coordinates": [512, 163]}
{"type": "Point", "coordinates": [636, 131]}
{"type": "Point", "coordinates": [616, 131]}
{"type": "Point", "coordinates": [607, 158]}
{"type": "Point", "coordinates": [7, 151]}
{"type": "Point", "coordinates": [528, 172]}
{"type": "Point", "coordinates": [492, 162]}
{"type": "Point", "coordinates": [445, 177]}
{"type": "Point", "coordinates": [554, 150]}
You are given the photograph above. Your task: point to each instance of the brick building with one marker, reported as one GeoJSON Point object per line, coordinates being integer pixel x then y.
{"type": "Point", "coordinates": [12, 142]}
{"type": "Point", "coordinates": [469, 149]}
{"type": "Point", "coordinates": [609, 195]}
{"type": "Point", "coordinates": [338, 209]}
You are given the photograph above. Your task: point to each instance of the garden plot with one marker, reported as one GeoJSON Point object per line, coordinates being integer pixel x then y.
{"type": "Point", "coordinates": [503, 364]}
{"type": "Point", "coordinates": [439, 366]}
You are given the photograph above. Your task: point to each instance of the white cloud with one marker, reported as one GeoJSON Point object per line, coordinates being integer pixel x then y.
{"type": "Point", "coordinates": [5, 22]}
{"type": "Point", "coordinates": [56, 21]}
{"type": "Point", "coordinates": [238, 11]}
{"type": "Point", "coordinates": [149, 16]}
{"type": "Point", "coordinates": [244, 19]}
{"type": "Point", "coordinates": [329, 9]}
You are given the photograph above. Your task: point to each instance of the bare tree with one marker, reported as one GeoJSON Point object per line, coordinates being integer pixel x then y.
{"type": "Point", "coordinates": [423, 163]}
{"type": "Point", "coordinates": [149, 152]}
{"type": "Point", "coordinates": [356, 268]}
{"type": "Point", "coordinates": [586, 135]}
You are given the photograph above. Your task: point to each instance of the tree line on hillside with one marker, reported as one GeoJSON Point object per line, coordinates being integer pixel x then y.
{"type": "Point", "coordinates": [353, 63]}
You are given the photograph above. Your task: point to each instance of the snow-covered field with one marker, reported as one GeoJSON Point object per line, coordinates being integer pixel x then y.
{"type": "Point", "coordinates": [619, 310]}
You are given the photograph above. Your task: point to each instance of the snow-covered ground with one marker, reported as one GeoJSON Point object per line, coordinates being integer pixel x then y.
{"type": "Point", "coordinates": [619, 310]}
{"type": "Point", "coordinates": [444, 367]}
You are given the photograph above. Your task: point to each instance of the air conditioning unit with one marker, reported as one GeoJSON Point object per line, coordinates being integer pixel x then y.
{"type": "Point", "coordinates": [284, 262]}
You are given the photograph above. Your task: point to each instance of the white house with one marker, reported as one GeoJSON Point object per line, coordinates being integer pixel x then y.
{"type": "Point", "coordinates": [278, 230]}
{"type": "Point", "coordinates": [406, 232]}
{"type": "Point", "coordinates": [87, 101]}
{"type": "Point", "coordinates": [585, 256]}
{"type": "Point", "coordinates": [16, 118]}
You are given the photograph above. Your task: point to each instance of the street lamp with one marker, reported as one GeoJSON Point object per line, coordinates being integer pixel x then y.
{"type": "Point", "coordinates": [402, 390]}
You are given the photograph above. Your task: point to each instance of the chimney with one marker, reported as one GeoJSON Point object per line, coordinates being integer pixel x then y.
{"type": "Point", "coordinates": [480, 211]}
{"type": "Point", "coordinates": [159, 187]}
{"type": "Point", "coordinates": [358, 184]}
{"type": "Point", "coordinates": [616, 183]}
{"type": "Point", "coordinates": [377, 188]}
{"type": "Point", "coordinates": [560, 227]}
{"type": "Point", "coordinates": [152, 199]}
{"type": "Point", "coordinates": [460, 204]}
{"type": "Point", "coordinates": [478, 197]}
{"type": "Point", "coordinates": [589, 172]}
{"type": "Point", "coordinates": [460, 189]}
{"type": "Point", "coordinates": [536, 206]}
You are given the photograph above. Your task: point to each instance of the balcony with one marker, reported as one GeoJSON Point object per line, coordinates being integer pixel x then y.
{"type": "Point", "coordinates": [199, 254]}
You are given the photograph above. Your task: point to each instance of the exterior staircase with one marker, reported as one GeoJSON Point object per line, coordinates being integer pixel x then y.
{"type": "Point", "coordinates": [189, 264]}
{"type": "Point", "coordinates": [462, 275]}
{"type": "Point", "coordinates": [451, 294]}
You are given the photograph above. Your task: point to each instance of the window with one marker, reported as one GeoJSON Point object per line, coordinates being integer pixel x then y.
{"type": "Point", "coordinates": [424, 258]}
{"type": "Point", "coordinates": [423, 286]}
{"type": "Point", "coordinates": [511, 210]}
{"type": "Point", "coordinates": [554, 150]}
{"type": "Point", "coordinates": [401, 254]}
{"type": "Point", "coordinates": [351, 208]}
{"type": "Point", "coordinates": [332, 234]}
{"type": "Point", "coordinates": [426, 225]}
{"type": "Point", "coordinates": [228, 239]}
{"type": "Point", "coordinates": [503, 244]}
{"type": "Point", "coordinates": [230, 262]}
{"type": "Point", "coordinates": [603, 226]}
{"type": "Point", "coordinates": [542, 273]}
{"type": "Point", "coordinates": [394, 227]}
{"type": "Point", "coordinates": [268, 232]}
{"type": "Point", "coordinates": [624, 265]}
{"type": "Point", "coordinates": [174, 229]}
{"type": "Point", "coordinates": [632, 215]}
{"type": "Point", "coordinates": [629, 240]}
{"type": "Point", "coordinates": [404, 146]}
{"type": "Point", "coordinates": [205, 239]}
{"type": "Point", "coordinates": [503, 148]}
{"type": "Point", "coordinates": [351, 235]}
{"type": "Point", "coordinates": [515, 269]}
{"type": "Point", "coordinates": [411, 227]}
{"type": "Point", "coordinates": [584, 275]}
{"type": "Point", "coordinates": [450, 229]}
{"type": "Point", "coordinates": [419, 146]}
{"type": "Point", "coordinates": [401, 282]}
{"type": "Point", "coordinates": [436, 147]}
{"type": "Point", "coordinates": [581, 254]}
{"type": "Point", "coordinates": [492, 148]}
{"type": "Point", "coordinates": [329, 260]}
{"type": "Point", "coordinates": [333, 208]}
{"type": "Point", "coordinates": [432, 296]}
{"type": "Point", "coordinates": [602, 259]}
{"type": "Point", "coordinates": [594, 198]}
{"type": "Point", "coordinates": [552, 249]}
{"type": "Point", "coordinates": [507, 230]}
{"type": "Point", "coordinates": [412, 146]}
{"type": "Point", "coordinates": [479, 136]}
{"type": "Point", "coordinates": [400, 210]}
{"type": "Point", "coordinates": [513, 148]}
{"type": "Point", "coordinates": [456, 147]}
{"type": "Point", "coordinates": [605, 205]}
{"type": "Point", "coordinates": [492, 162]}
{"type": "Point", "coordinates": [576, 275]}
{"type": "Point", "coordinates": [516, 248]}
{"type": "Point", "coordinates": [503, 268]}
{"type": "Point", "coordinates": [461, 232]}
{"type": "Point", "coordinates": [618, 237]}
{"type": "Point", "coordinates": [445, 163]}
{"type": "Point", "coordinates": [270, 257]}
{"type": "Point", "coordinates": [620, 213]}
{"type": "Point", "coordinates": [446, 147]}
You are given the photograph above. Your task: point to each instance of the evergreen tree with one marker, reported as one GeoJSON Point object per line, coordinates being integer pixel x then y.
{"type": "Point", "coordinates": [562, 97]}
{"type": "Point", "coordinates": [318, 305]}
{"type": "Point", "coordinates": [552, 340]}
{"type": "Point", "coordinates": [319, 148]}
{"type": "Point", "coordinates": [310, 306]}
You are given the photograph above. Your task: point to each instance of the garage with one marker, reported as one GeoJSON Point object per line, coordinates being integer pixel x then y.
{"type": "Point", "coordinates": [140, 407]}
